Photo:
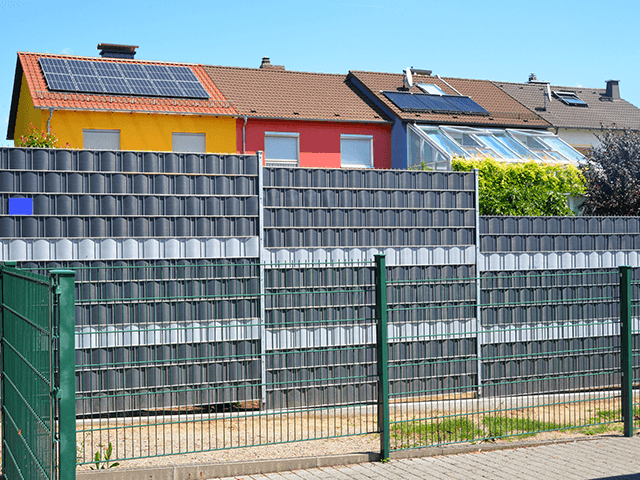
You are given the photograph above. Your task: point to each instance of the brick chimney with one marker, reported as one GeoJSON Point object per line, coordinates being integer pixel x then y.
{"type": "Point", "coordinates": [266, 64]}
{"type": "Point", "coordinates": [613, 90]}
{"type": "Point", "coordinates": [110, 50]}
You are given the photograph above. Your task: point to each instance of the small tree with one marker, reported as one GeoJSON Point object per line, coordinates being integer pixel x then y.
{"type": "Point", "coordinates": [38, 139]}
{"type": "Point", "coordinates": [528, 188]}
{"type": "Point", "coordinates": [613, 175]}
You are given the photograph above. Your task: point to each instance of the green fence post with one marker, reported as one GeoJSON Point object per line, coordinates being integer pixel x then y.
{"type": "Point", "coordinates": [382, 351]}
{"type": "Point", "coordinates": [67, 383]}
{"type": "Point", "coordinates": [626, 362]}
{"type": "Point", "coordinates": [2, 419]}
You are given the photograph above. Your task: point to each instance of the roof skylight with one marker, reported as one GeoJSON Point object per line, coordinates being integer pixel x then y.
{"type": "Point", "coordinates": [436, 146]}
{"type": "Point", "coordinates": [570, 98]}
{"type": "Point", "coordinates": [430, 88]}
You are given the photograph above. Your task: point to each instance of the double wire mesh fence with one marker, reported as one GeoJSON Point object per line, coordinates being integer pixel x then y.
{"type": "Point", "coordinates": [175, 358]}
{"type": "Point", "coordinates": [182, 358]}
{"type": "Point", "coordinates": [538, 352]}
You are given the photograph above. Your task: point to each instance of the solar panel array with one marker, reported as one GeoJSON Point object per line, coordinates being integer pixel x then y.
{"type": "Point", "coordinates": [121, 78]}
{"type": "Point", "coordinates": [422, 102]}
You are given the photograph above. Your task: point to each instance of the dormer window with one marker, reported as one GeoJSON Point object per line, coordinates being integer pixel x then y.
{"type": "Point", "coordinates": [430, 88]}
{"type": "Point", "coordinates": [570, 98]}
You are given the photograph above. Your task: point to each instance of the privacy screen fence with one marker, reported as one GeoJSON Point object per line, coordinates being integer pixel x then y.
{"type": "Point", "coordinates": [174, 358]}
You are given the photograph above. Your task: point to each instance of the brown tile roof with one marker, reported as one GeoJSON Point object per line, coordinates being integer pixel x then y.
{"type": "Point", "coordinates": [504, 110]}
{"type": "Point", "coordinates": [600, 112]}
{"type": "Point", "coordinates": [44, 98]}
{"type": "Point", "coordinates": [282, 94]}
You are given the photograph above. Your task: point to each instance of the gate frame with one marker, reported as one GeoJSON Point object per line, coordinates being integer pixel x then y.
{"type": "Point", "coordinates": [61, 299]}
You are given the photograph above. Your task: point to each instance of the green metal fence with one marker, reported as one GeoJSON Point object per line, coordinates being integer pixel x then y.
{"type": "Point", "coordinates": [630, 282]}
{"type": "Point", "coordinates": [178, 358]}
{"type": "Point", "coordinates": [538, 352]}
{"type": "Point", "coordinates": [175, 358]}
{"type": "Point", "coordinates": [37, 338]}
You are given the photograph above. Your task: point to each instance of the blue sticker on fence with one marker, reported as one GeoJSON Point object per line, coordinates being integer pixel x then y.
{"type": "Point", "coordinates": [21, 206]}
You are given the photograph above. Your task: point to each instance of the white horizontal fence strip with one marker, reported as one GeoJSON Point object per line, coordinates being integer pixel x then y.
{"type": "Point", "coordinates": [494, 262]}
{"type": "Point", "coordinates": [26, 250]}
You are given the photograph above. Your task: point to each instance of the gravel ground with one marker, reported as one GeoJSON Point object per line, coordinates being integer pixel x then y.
{"type": "Point", "coordinates": [241, 436]}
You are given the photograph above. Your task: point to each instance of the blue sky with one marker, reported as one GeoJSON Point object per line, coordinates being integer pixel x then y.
{"type": "Point", "coordinates": [570, 43]}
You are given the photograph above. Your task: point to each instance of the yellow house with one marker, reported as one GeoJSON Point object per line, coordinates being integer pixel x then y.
{"type": "Point", "coordinates": [116, 102]}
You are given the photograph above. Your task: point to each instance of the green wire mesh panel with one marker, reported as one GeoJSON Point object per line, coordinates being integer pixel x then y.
{"type": "Point", "coordinates": [635, 343]}
{"type": "Point", "coordinates": [537, 351]}
{"type": "Point", "coordinates": [27, 423]}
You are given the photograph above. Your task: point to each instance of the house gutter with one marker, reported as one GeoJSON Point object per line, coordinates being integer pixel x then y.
{"type": "Point", "coordinates": [49, 120]}
{"type": "Point", "coordinates": [244, 134]}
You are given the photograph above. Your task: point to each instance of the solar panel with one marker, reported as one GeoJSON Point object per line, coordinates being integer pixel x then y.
{"type": "Point", "coordinates": [121, 78]}
{"type": "Point", "coordinates": [116, 85]}
{"type": "Point", "coordinates": [182, 74]}
{"type": "Point", "coordinates": [89, 84]}
{"type": "Point", "coordinates": [142, 87]}
{"type": "Point", "coordinates": [158, 72]}
{"type": "Point", "coordinates": [79, 67]}
{"type": "Point", "coordinates": [168, 88]}
{"type": "Point", "coordinates": [406, 102]}
{"type": "Point", "coordinates": [53, 65]}
{"type": "Point", "coordinates": [60, 81]}
{"type": "Point", "coordinates": [194, 89]}
{"type": "Point", "coordinates": [438, 103]}
{"type": "Point", "coordinates": [466, 105]}
{"type": "Point", "coordinates": [422, 102]}
{"type": "Point", "coordinates": [107, 69]}
{"type": "Point", "coordinates": [133, 70]}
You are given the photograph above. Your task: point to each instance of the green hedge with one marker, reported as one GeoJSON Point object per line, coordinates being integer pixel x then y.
{"type": "Point", "coordinates": [524, 188]}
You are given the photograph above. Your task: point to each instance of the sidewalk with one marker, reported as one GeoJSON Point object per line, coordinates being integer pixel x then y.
{"type": "Point", "coordinates": [612, 458]}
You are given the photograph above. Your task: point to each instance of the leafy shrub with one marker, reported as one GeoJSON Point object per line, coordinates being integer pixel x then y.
{"type": "Point", "coordinates": [524, 188]}
{"type": "Point", "coordinates": [613, 175]}
{"type": "Point", "coordinates": [37, 138]}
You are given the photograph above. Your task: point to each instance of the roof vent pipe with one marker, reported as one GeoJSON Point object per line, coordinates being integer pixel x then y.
{"type": "Point", "coordinates": [613, 90]}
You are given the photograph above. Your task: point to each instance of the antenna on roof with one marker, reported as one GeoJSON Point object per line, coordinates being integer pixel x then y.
{"type": "Point", "coordinates": [408, 78]}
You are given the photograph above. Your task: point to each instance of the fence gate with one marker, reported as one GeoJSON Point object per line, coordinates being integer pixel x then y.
{"type": "Point", "coordinates": [38, 389]}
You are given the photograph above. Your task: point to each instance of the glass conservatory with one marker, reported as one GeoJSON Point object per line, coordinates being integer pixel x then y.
{"type": "Point", "coordinates": [435, 146]}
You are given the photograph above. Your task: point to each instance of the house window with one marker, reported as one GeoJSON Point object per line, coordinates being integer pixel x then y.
{"type": "Point", "coordinates": [281, 149]}
{"type": "Point", "coordinates": [356, 151]}
{"type": "Point", "coordinates": [570, 98]}
{"type": "Point", "coordinates": [189, 142]}
{"type": "Point", "coordinates": [430, 88]}
{"type": "Point", "coordinates": [100, 139]}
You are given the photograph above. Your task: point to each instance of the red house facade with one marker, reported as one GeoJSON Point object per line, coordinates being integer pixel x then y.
{"type": "Point", "coordinates": [305, 119]}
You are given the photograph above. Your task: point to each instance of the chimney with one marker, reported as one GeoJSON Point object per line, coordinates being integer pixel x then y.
{"type": "Point", "coordinates": [110, 50]}
{"type": "Point", "coordinates": [532, 77]}
{"type": "Point", "coordinates": [266, 64]}
{"type": "Point", "coordinates": [613, 90]}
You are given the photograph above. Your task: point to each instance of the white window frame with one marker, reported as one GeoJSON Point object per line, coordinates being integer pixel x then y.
{"type": "Point", "coordinates": [191, 138]}
{"type": "Point", "coordinates": [100, 139]}
{"type": "Point", "coordinates": [368, 138]}
{"type": "Point", "coordinates": [282, 162]}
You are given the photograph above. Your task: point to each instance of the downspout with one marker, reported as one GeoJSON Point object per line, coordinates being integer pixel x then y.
{"type": "Point", "coordinates": [243, 135]}
{"type": "Point", "coordinates": [49, 120]}
{"type": "Point", "coordinates": [438, 76]}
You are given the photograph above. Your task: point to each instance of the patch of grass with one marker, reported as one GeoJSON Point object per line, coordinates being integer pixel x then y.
{"type": "Point", "coordinates": [611, 415]}
{"type": "Point", "coordinates": [498, 426]}
{"type": "Point", "coordinates": [599, 429]}
{"type": "Point", "coordinates": [450, 430]}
